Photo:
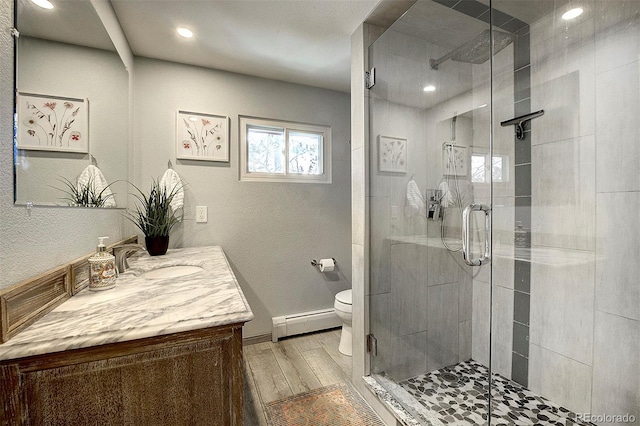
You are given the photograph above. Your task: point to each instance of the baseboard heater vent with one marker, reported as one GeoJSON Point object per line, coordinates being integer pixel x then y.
{"type": "Point", "coordinates": [306, 322]}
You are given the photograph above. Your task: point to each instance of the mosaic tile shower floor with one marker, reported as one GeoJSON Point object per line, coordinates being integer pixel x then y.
{"type": "Point", "coordinates": [458, 394]}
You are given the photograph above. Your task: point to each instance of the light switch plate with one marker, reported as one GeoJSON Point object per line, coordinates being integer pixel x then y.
{"type": "Point", "coordinates": [201, 214]}
{"type": "Point", "coordinates": [395, 212]}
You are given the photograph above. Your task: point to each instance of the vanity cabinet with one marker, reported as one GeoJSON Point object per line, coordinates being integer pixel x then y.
{"type": "Point", "coordinates": [188, 378]}
{"type": "Point", "coordinates": [153, 351]}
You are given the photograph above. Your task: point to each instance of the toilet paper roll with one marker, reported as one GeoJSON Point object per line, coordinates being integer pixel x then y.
{"type": "Point", "coordinates": [327, 265]}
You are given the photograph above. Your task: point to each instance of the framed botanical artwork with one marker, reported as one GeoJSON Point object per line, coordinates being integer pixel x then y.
{"type": "Point", "coordinates": [392, 154]}
{"type": "Point", "coordinates": [52, 123]}
{"type": "Point", "coordinates": [202, 137]}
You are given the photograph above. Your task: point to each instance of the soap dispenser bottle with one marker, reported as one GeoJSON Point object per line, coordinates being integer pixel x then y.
{"type": "Point", "coordinates": [103, 268]}
{"type": "Point", "coordinates": [521, 236]}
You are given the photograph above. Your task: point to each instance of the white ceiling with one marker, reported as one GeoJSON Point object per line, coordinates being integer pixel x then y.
{"type": "Point", "coordinates": [301, 41]}
{"type": "Point", "coordinates": [71, 21]}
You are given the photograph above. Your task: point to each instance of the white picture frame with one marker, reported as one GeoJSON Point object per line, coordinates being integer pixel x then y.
{"type": "Point", "coordinates": [52, 123]}
{"type": "Point", "coordinates": [202, 137]}
{"type": "Point", "coordinates": [392, 154]}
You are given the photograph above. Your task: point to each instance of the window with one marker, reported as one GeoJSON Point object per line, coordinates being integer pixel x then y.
{"type": "Point", "coordinates": [274, 151]}
{"type": "Point", "coordinates": [480, 168]}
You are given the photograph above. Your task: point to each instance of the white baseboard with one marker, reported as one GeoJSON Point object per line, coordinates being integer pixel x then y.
{"type": "Point", "coordinates": [305, 322]}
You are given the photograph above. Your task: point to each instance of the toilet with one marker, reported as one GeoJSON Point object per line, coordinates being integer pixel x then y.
{"type": "Point", "coordinates": [342, 306]}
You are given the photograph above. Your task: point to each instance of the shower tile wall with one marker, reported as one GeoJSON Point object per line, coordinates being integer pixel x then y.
{"type": "Point", "coordinates": [521, 265]}
{"type": "Point", "coordinates": [501, 270]}
{"type": "Point", "coordinates": [585, 297]}
{"type": "Point", "coordinates": [616, 363]}
{"type": "Point", "coordinates": [420, 297]}
{"type": "Point", "coordinates": [616, 360]}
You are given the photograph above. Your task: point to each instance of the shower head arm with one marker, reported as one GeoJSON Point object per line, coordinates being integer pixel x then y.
{"type": "Point", "coordinates": [436, 62]}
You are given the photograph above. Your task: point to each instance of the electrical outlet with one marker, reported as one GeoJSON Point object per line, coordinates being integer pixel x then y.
{"type": "Point", "coordinates": [201, 214]}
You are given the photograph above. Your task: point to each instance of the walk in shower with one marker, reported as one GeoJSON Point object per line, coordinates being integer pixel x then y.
{"type": "Point", "coordinates": [504, 200]}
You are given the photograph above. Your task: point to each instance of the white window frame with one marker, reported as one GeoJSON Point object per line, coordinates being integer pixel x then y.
{"type": "Point", "coordinates": [288, 126]}
{"type": "Point", "coordinates": [488, 168]}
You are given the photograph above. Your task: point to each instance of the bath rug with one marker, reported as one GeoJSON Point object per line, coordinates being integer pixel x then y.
{"type": "Point", "coordinates": [334, 405]}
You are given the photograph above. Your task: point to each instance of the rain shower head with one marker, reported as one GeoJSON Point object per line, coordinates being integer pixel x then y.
{"type": "Point", "coordinates": [477, 50]}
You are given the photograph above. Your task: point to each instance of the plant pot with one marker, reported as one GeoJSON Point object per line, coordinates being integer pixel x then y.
{"type": "Point", "coordinates": [157, 246]}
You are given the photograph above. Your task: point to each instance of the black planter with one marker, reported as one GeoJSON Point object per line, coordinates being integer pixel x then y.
{"type": "Point", "coordinates": [157, 246]}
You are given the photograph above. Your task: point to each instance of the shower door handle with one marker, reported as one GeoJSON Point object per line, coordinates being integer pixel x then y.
{"type": "Point", "coordinates": [466, 234]}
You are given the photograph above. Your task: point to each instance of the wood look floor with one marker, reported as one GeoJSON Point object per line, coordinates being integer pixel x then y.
{"type": "Point", "coordinates": [293, 365]}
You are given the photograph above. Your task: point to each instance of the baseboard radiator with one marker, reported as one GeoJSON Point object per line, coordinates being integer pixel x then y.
{"type": "Point", "coordinates": [305, 322]}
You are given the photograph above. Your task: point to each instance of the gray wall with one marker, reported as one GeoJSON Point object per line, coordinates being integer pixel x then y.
{"type": "Point", "coordinates": [33, 241]}
{"type": "Point", "coordinates": [269, 231]}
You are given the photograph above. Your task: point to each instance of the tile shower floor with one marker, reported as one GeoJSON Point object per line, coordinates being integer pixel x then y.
{"type": "Point", "coordinates": [458, 394]}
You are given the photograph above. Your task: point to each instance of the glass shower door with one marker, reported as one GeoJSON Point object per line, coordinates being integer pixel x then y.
{"type": "Point", "coordinates": [430, 157]}
{"type": "Point", "coordinates": [531, 120]}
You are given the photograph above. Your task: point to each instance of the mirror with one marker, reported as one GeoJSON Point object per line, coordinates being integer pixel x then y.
{"type": "Point", "coordinates": [72, 108]}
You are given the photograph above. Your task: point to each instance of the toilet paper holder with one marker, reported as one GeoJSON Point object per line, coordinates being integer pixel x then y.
{"type": "Point", "coordinates": [317, 264]}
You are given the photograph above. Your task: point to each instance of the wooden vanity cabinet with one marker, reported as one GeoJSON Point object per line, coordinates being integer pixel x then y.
{"type": "Point", "coordinates": [189, 378]}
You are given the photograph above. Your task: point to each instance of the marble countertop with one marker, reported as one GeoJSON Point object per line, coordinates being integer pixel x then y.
{"type": "Point", "coordinates": [138, 307]}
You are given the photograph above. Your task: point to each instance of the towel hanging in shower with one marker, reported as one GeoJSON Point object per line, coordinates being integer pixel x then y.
{"type": "Point", "coordinates": [446, 199]}
{"type": "Point", "coordinates": [415, 200]}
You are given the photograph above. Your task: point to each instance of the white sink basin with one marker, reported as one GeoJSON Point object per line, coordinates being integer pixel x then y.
{"type": "Point", "coordinates": [171, 272]}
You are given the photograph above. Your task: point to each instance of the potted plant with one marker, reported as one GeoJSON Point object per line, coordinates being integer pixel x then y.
{"type": "Point", "coordinates": [154, 217]}
{"type": "Point", "coordinates": [85, 195]}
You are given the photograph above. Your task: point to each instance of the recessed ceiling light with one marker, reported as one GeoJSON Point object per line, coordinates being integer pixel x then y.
{"type": "Point", "coordinates": [429, 88]}
{"type": "Point", "coordinates": [572, 14]}
{"type": "Point", "coordinates": [45, 4]}
{"type": "Point", "coordinates": [185, 32]}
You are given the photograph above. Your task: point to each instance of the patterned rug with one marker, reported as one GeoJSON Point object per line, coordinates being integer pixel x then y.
{"type": "Point", "coordinates": [334, 405]}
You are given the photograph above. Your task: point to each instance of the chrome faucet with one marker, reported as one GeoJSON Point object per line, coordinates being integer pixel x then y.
{"type": "Point", "coordinates": [121, 253]}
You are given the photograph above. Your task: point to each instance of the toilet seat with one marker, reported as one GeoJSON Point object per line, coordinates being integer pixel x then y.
{"type": "Point", "coordinates": [342, 307]}
{"type": "Point", "coordinates": [344, 297]}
